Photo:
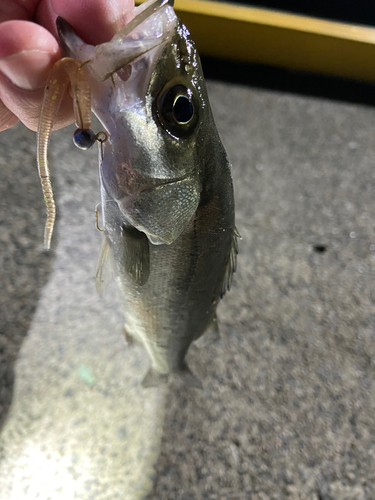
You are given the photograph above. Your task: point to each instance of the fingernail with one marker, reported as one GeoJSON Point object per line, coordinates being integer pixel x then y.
{"type": "Point", "coordinates": [28, 69]}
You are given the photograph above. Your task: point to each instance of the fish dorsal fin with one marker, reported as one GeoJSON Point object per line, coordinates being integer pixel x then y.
{"type": "Point", "coordinates": [104, 267]}
{"type": "Point", "coordinates": [136, 255]}
{"type": "Point", "coordinates": [231, 264]}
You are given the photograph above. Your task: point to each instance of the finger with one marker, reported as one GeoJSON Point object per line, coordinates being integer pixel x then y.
{"type": "Point", "coordinates": [7, 118]}
{"type": "Point", "coordinates": [26, 105]}
{"type": "Point", "coordinates": [27, 53]}
{"type": "Point", "coordinates": [18, 9]}
{"type": "Point", "coordinates": [95, 21]}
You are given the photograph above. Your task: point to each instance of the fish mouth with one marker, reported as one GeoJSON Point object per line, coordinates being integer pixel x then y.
{"type": "Point", "coordinates": [145, 11]}
{"type": "Point", "coordinates": [152, 26]}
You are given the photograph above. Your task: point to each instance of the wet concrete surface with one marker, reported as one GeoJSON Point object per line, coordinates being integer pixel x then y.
{"type": "Point", "coordinates": [287, 409]}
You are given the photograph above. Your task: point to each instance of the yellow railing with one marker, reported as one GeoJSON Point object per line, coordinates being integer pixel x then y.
{"type": "Point", "coordinates": [269, 37]}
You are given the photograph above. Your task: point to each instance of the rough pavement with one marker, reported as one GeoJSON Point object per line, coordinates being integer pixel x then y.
{"type": "Point", "coordinates": [287, 410]}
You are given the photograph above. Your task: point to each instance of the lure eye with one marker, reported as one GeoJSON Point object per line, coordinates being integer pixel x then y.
{"type": "Point", "coordinates": [177, 110]}
{"type": "Point", "coordinates": [84, 138]}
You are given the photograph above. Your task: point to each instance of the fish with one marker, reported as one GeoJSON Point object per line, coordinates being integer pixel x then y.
{"type": "Point", "coordinates": [167, 200]}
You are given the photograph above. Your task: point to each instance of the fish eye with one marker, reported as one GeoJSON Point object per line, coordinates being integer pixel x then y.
{"type": "Point", "coordinates": [183, 110]}
{"type": "Point", "coordinates": [177, 110]}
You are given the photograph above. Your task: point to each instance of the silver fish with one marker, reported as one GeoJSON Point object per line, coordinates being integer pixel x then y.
{"type": "Point", "coordinates": [166, 187]}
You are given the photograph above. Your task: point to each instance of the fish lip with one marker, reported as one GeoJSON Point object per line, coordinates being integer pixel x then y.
{"type": "Point", "coordinates": [149, 8]}
{"type": "Point", "coordinates": [103, 61]}
{"type": "Point", "coordinates": [63, 27]}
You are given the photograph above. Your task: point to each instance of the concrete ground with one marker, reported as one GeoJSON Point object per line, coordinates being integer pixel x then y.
{"type": "Point", "coordinates": [287, 410]}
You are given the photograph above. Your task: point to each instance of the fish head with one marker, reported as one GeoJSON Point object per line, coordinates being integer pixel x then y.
{"type": "Point", "coordinates": [148, 92]}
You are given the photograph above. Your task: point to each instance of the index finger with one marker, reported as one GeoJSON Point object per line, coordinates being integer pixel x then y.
{"type": "Point", "coordinates": [96, 21]}
{"type": "Point", "coordinates": [21, 62]}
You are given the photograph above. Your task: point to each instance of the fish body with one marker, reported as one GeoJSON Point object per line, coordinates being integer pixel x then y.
{"type": "Point", "coordinates": [166, 186]}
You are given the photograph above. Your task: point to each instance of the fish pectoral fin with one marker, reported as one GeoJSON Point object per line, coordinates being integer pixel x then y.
{"type": "Point", "coordinates": [231, 265]}
{"type": "Point", "coordinates": [104, 267]}
{"type": "Point", "coordinates": [210, 335]}
{"type": "Point", "coordinates": [154, 378]}
{"type": "Point", "coordinates": [136, 255]}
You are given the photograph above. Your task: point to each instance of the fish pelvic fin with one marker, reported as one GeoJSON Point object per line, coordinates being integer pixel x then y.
{"type": "Point", "coordinates": [136, 255]}
{"type": "Point", "coordinates": [154, 378]}
{"type": "Point", "coordinates": [104, 267]}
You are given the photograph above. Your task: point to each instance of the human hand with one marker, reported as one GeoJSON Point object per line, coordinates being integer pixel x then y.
{"type": "Point", "coordinates": [29, 49]}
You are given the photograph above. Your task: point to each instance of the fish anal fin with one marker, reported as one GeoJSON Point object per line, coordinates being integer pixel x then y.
{"type": "Point", "coordinates": [136, 255]}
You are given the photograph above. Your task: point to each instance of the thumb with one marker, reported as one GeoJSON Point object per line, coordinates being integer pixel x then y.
{"type": "Point", "coordinates": [27, 53]}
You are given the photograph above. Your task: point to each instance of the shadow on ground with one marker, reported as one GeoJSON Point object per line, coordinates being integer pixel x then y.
{"type": "Point", "coordinates": [24, 264]}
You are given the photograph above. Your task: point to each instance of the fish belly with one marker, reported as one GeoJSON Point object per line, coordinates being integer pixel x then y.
{"type": "Point", "coordinates": [179, 299]}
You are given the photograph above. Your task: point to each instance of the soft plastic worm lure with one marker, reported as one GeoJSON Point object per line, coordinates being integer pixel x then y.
{"type": "Point", "coordinates": [65, 71]}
